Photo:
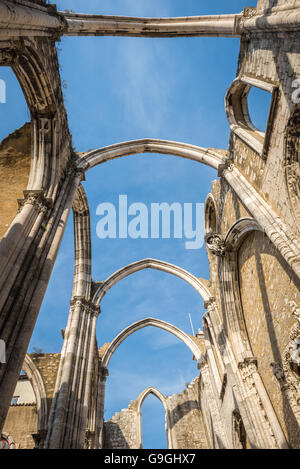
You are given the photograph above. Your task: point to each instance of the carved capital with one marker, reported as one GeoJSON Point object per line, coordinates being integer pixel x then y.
{"type": "Point", "coordinates": [87, 306]}
{"type": "Point", "coordinates": [37, 199]}
{"type": "Point", "coordinates": [216, 244]}
{"type": "Point", "coordinates": [248, 367]}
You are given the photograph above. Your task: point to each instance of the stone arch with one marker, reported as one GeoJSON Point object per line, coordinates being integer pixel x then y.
{"type": "Point", "coordinates": [38, 386]}
{"type": "Point", "coordinates": [144, 394]}
{"type": "Point", "coordinates": [237, 330]}
{"type": "Point", "coordinates": [186, 338]}
{"type": "Point", "coordinates": [152, 264]}
{"type": "Point", "coordinates": [246, 268]}
{"type": "Point", "coordinates": [210, 215]}
{"type": "Point", "coordinates": [237, 112]}
{"type": "Point", "coordinates": [202, 155]}
{"type": "Point", "coordinates": [112, 347]}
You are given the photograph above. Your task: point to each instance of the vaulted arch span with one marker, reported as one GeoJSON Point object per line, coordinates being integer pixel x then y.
{"type": "Point", "coordinates": [165, 326]}
{"type": "Point", "coordinates": [207, 156]}
{"type": "Point", "coordinates": [151, 264]}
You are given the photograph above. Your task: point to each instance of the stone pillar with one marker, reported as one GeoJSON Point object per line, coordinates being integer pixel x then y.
{"type": "Point", "coordinates": [103, 374]}
{"type": "Point", "coordinates": [220, 439]}
{"type": "Point", "coordinates": [27, 254]}
{"type": "Point", "coordinates": [267, 431]}
{"type": "Point", "coordinates": [68, 417]}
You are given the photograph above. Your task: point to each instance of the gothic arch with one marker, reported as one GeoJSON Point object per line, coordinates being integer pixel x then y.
{"type": "Point", "coordinates": [144, 394]}
{"type": "Point", "coordinates": [202, 155]}
{"type": "Point", "coordinates": [151, 264]}
{"type": "Point", "coordinates": [236, 106]}
{"type": "Point", "coordinates": [237, 326]}
{"type": "Point", "coordinates": [165, 326]}
{"type": "Point", "coordinates": [37, 383]}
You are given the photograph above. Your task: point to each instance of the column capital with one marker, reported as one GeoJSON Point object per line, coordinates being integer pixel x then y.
{"type": "Point", "coordinates": [88, 306]}
{"type": "Point", "coordinates": [37, 199]}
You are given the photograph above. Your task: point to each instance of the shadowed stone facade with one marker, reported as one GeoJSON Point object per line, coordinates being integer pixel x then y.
{"type": "Point", "coordinates": [246, 394]}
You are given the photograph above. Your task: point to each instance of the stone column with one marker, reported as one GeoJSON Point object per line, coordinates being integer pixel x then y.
{"type": "Point", "coordinates": [103, 374]}
{"type": "Point", "coordinates": [68, 416]}
{"type": "Point", "coordinates": [28, 253]}
{"type": "Point", "coordinates": [218, 426]}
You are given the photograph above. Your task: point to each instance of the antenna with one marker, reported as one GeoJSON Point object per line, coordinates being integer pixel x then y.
{"type": "Point", "coordinates": [192, 324]}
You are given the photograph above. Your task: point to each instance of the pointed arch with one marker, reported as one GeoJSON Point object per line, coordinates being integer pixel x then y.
{"type": "Point", "coordinates": [37, 383]}
{"type": "Point", "coordinates": [151, 264]}
{"type": "Point", "coordinates": [140, 400]}
{"type": "Point", "coordinates": [165, 326]}
{"type": "Point", "coordinates": [207, 156]}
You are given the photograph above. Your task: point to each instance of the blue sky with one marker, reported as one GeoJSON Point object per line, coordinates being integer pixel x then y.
{"type": "Point", "coordinates": [119, 89]}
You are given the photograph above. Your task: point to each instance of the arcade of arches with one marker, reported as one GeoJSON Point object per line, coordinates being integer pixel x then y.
{"type": "Point", "coordinates": [246, 391]}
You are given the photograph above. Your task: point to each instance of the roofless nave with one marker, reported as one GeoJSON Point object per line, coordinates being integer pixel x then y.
{"type": "Point", "coordinates": [247, 394]}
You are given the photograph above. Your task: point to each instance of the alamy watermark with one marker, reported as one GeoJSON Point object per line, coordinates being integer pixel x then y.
{"type": "Point", "coordinates": [2, 91]}
{"type": "Point", "coordinates": [2, 351]}
{"type": "Point", "coordinates": [160, 220]}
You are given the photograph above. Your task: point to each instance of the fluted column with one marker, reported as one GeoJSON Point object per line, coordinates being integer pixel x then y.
{"type": "Point", "coordinates": [68, 416]}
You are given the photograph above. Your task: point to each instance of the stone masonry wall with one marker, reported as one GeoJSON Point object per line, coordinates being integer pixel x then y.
{"type": "Point", "coordinates": [186, 420]}
{"type": "Point", "coordinates": [15, 158]}
{"type": "Point", "coordinates": [21, 424]}
{"type": "Point", "coordinates": [266, 288]}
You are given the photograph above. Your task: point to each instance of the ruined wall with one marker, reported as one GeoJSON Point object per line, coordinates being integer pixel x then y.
{"type": "Point", "coordinates": [21, 424]}
{"type": "Point", "coordinates": [186, 420]}
{"type": "Point", "coordinates": [120, 432]}
{"type": "Point", "coordinates": [47, 364]}
{"type": "Point", "coordinates": [184, 416]}
{"type": "Point", "coordinates": [15, 159]}
{"type": "Point", "coordinates": [267, 287]}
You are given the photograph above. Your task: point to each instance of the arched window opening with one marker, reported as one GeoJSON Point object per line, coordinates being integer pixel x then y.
{"type": "Point", "coordinates": [240, 438]}
{"type": "Point", "coordinates": [259, 102]}
{"type": "Point", "coordinates": [210, 215]}
{"type": "Point", "coordinates": [153, 424]}
{"type": "Point", "coordinates": [15, 146]}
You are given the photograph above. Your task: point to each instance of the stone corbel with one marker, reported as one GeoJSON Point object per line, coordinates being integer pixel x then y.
{"type": "Point", "coordinates": [216, 244]}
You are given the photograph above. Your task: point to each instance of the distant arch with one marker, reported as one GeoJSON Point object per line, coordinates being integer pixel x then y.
{"type": "Point", "coordinates": [162, 399]}
{"type": "Point", "coordinates": [149, 145]}
{"type": "Point", "coordinates": [151, 264]}
{"type": "Point", "coordinates": [37, 383]}
{"type": "Point", "coordinates": [186, 338]}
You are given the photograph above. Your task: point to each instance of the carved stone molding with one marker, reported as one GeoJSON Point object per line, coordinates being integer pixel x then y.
{"type": "Point", "coordinates": [216, 244]}
{"type": "Point", "coordinates": [292, 163]}
{"type": "Point", "coordinates": [248, 367]}
{"type": "Point", "coordinates": [288, 373]}
{"type": "Point", "coordinates": [37, 199]}
{"type": "Point", "coordinates": [86, 306]}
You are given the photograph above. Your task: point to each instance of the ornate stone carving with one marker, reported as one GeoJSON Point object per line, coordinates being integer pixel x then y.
{"type": "Point", "coordinates": [288, 373]}
{"type": "Point", "coordinates": [35, 198]}
{"type": "Point", "coordinates": [216, 244]}
{"type": "Point", "coordinates": [248, 367]}
{"type": "Point", "coordinates": [87, 306]}
{"type": "Point", "coordinates": [292, 163]}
